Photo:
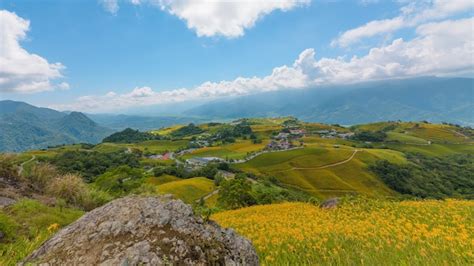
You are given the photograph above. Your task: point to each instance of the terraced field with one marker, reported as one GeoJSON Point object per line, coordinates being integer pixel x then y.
{"type": "Point", "coordinates": [325, 171]}
{"type": "Point", "coordinates": [189, 190]}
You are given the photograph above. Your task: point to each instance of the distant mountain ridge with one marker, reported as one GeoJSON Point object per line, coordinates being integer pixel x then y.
{"type": "Point", "coordinates": [429, 98]}
{"type": "Point", "coordinates": [24, 126]}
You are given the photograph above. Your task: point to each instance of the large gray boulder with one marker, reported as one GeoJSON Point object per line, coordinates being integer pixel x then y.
{"type": "Point", "coordinates": [144, 231]}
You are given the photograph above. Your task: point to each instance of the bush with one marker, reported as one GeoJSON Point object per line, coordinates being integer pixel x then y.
{"type": "Point", "coordinates": [94, 198]}
{"type": "Point", "coordinates": [69, 187]}
{"type": "Point", "coordinates": [41, 175]}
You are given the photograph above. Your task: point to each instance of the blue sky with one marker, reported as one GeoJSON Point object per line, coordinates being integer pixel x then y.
{"type": "Point", "coordinates": [118, 54]}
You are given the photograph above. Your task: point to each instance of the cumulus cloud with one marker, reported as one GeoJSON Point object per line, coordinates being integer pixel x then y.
{"type": "Point", "coordinates": [21, 71]}
{"type": "Point", "coordinates": [411, 15]}
{"type": "Point", "coordinates": [218, 17]}
{"type": "Point", "coordinates": [226, 18]}
{"type": "Point", "coordinates": [440, 48]}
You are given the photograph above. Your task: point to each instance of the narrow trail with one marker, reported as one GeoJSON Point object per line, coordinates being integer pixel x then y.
{"type": "Point", "coordinates": [321, 167]}
{"type": "Point", "coordinates": [20, 170]}
{"type": "Point", "coordinates": [209, 195]}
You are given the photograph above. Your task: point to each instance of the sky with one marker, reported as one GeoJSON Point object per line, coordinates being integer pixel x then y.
{"type": "Point", "coordinates": [101, 56]}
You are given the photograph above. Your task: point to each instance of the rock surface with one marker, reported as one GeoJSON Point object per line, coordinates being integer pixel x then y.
{"type": "Point", "coordinates": [144, 231]}
{"type": "Point", "coordinates": [330, 203]}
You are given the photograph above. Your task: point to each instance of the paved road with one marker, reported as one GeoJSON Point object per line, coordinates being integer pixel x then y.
{"type": "Point", "coordinates": [20, 170]}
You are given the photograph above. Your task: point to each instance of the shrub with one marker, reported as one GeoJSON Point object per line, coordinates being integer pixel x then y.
{"type": "Point", "coordinates": [94, 198]}
{"type": "Point", "coordinates": [69, 187]}
{"type": "Point", "coordinates": [41, 175]}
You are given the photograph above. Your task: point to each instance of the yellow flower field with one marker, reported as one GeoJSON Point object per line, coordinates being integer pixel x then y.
{"type": "Point", "coordinates": [359, 232]}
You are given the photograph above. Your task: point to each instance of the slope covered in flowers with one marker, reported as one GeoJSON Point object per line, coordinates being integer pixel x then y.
{"type": "Point", "coordinates": [359, 232]}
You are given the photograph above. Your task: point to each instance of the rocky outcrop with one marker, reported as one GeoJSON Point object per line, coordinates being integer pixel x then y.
{"type": "Point", "coordinates": [144, 231]}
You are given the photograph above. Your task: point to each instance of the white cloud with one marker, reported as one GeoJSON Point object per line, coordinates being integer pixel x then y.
{"type": "Point", "coordinates": [21, 71]}
{"type": "Point", "coordinates": [63, 86]}
{"type": "Point", "coordinates": [411, 15]}
{"type": "Point", "coordinates": [110, 6]}
{"type": "Point", "coordinates": [441, 48]}
{"type": "Point", "coordinates": [226, 18]}
{"type": "Point", "coordinates": [215, 17]}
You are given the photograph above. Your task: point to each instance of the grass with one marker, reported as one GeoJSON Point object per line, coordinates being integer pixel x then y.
{"type": "Point", "coordinates": [162, 179]}
{"type": "Point", "coordinates": [352, 177]}
{"type": "Point", "coordinates": [27, 224]}
{"type": "Point", "coordinates": [405, 138]}
{"type": "Point", "coordinates": [359, 232]}
{"type": "Point", "coordinates": [434, 149]}
{"type": "Point", "coordinates": [188, 190]}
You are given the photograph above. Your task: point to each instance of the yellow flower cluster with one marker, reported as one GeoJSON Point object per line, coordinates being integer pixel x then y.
{"type": "Point", "coordinates": [53, 227]}
{"type": "Point", "coordinates": [359, 232]}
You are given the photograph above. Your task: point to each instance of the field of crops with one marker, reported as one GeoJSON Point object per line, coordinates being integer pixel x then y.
{"type": "Point", "coordinates": [325, 171]}
{"type": "Point", "coordinates": [359, 232]}
{"type": "Point", "coordinates": [188, 190]}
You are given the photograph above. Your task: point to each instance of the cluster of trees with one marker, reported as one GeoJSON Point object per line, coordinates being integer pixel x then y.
{"type": "Point", "coordinates": [129, 135]}
{"type": "Point", "coordinates": [208, 171]}
{"type": "Point", "coordinates": [372, 136]}
{"type": "Point", "coordinates": [228, 134]}
{"type": "Point", "coordinates": [430, 177]}
{"type": "Point", "coordinates": [239, 192]}
{"type": "Point", "coordinates": [188, 130]}
{"type": "Point", "coordinates": [91, 163]}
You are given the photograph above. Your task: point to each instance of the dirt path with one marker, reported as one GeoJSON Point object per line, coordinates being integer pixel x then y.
{"type": "Point", "coordinates": [322, 167]}
{"type": "Point", "coordinates": [20, 170]}
{"type": "Point", "coordinates": [209, 195]}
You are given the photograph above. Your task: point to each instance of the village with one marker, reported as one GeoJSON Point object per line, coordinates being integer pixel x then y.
{"type": "Point", "coordinates": [290, 137]}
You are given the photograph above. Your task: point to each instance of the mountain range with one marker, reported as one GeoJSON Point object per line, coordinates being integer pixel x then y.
{"type": "Point", "coordinates": [428, 98]}
{"type": "Point", "coordinates": [24, 126]}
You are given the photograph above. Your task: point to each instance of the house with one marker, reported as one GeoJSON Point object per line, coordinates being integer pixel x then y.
{"type": "Point", "coordinates": [297, 132]}
{"type": "Point", "coordinates": [282, 135]}
{"type": "Point", "coordinates": [202, 161]}
{"type": "Point", "coordinates": [345, 135]}
{"type": "Point", "coordinates": [156, 157]}
{"type": "Point", "coordinates": [281, 145]}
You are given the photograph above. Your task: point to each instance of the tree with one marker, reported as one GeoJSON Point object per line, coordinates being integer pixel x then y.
{"type": "Point", "coordinates": [236, 193]}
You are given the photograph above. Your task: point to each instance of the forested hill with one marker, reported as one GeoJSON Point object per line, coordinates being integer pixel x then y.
{"type": "Point", "coordinates": [24, 126]}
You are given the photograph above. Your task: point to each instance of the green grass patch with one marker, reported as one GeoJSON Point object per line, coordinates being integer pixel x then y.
{"type": "Point", "coordinates": [27, 224]}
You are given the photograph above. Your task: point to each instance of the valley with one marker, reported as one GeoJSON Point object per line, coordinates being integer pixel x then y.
{"type": "Point", "coordinates": [217, 167]}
